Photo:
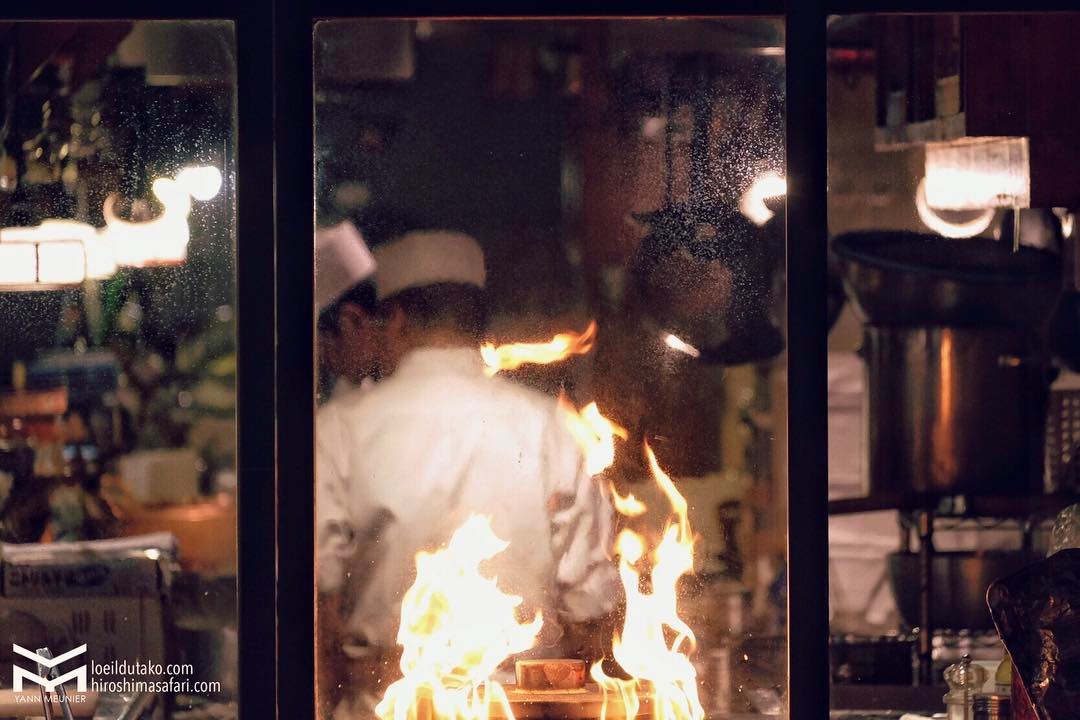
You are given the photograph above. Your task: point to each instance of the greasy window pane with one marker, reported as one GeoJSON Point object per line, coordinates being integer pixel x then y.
{"type": "Point", "coordinates": [549, 277]}
{"type": "Point", "coordinates": [118, 366]}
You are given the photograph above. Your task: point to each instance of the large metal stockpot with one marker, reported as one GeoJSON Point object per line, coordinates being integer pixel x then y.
{"type": "Point", "coordinates": [954, 410]}
{"type": "Point", "coordinates": [957, 373]}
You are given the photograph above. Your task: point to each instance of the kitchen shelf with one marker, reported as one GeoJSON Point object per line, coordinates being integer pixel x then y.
{"type": "Point", "coordinates": [944, 505]}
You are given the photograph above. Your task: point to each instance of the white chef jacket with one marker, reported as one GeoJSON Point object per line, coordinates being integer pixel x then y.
{"type": "Point", "coordinates": [400, 467]}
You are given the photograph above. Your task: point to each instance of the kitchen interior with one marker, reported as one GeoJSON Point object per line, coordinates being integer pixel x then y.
{"type": "Point", "coordinates": [118, 363]}
{"type": "Point", "coordinates": [631, 173]}
{"type": "Point", "coordinates": [952, 363]}
{"type": "Point", "coordinates": [627, 173]}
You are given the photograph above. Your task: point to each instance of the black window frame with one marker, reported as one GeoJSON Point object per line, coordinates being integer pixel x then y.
{"type": "Point", "coordinates": [275, 306]}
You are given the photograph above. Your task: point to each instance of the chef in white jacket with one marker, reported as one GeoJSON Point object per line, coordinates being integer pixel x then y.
{"type": "Point", "coordinates": [345, 298]}
{"type": "Point", "coordinates": [399, 468]}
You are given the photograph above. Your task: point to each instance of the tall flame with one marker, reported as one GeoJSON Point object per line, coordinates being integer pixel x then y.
{"type": "Point", "coordinates": [658, 668]}
{"type": "Point", "coordinates": [457, 627]}
{"type": "Point", "coordinates": [594, 433]}
{"type": "Point", "coordinates": [514, 355]}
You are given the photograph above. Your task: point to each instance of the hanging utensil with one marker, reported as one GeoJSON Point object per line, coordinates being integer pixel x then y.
{"type": "Point", "coordinates": [705, 272]}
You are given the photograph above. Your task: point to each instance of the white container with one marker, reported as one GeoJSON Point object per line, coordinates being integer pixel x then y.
{"type": "Point", "coordinates": [161, 477]}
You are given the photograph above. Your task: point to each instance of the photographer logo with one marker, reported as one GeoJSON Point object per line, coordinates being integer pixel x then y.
{"type": "Point", "coordinates": [49, 664]}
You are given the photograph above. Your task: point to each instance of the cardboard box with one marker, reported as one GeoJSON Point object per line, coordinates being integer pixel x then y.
{"type": "Point", "coordinates": [113, 629]}
{"type": "Point", "coordinates": [111, 595]}
{"type": "Point", "coordinates": [130, 577]}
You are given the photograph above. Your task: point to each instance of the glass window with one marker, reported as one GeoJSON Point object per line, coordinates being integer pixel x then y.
{"type": "Point", "coordinates": [952, 352]}
{"type": "Point", "coordinates": [118, 366]}
{"type": "Point", "coordinates": [549, 278]}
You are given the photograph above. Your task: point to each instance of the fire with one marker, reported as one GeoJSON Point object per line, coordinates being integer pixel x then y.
{"type": "Point", "coordinates": [457, 627]}
{"type": "Point", "coordinates": [629, 506]}
{"type": "Point", "coordinates": [514, 355]}
{"type": "Point", "coordinates": [659, 668]}
{"type": "Point", "coordinates": [594, 433]}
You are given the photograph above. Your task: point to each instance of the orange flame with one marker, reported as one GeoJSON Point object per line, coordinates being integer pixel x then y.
{"type": "Point", "coordinates": [659, 668]}
{"type": "Point", "coordinates": [594, 433]}
{"type": "Point", "coordinates": [457, 627]}
{"type": "Point", "coordinates": [514, 355]}
{"type": "Point", "coordinates": [629, 505]}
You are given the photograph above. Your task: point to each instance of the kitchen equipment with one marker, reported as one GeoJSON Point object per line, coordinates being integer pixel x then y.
{"type": "Point", "coordinates": [163, 476]}
{"type": "Point", "coordinates": [964, 680]}
{"type": "Point", "coordinates": [204, 613]}
{"type": "Point", "coordinates": [992, 707]}
{"type": "Point", "coordinates": [954, 410]}
{"type": "Point", "coordinates": [960, 580]}
{"type": "Point", "coordinates": [550, 674]}
{"type": "Point", "coordinates": [1063, 434]}
{"type": "Point", "coordinates": [68, 594]}
{"type": "Point", "coordinates": [46, 672]}
{"type": "Point", "coordinates": [908, 279]}
{"type": "Point", "coordinates": [1036, 613]}
{"type": "Point", "coordinates": [957, 367]}
{"type": "Point", "coordinates": [880, 660]}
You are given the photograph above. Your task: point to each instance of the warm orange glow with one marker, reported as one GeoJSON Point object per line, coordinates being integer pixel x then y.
{"type": "Point", "coordinates": [456, 628]}
{"type": "Point", "coordinates": [514, 355]}
{"type": "Point", "coordinates": [629, 506]}
{"type": "Point", "coordinates": [660, 669]}
{"type": "Point", "coordinates": [594, 433]}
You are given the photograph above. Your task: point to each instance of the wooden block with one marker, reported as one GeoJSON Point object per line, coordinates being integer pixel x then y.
{"type": "Point", "coordinates": [550, 674]}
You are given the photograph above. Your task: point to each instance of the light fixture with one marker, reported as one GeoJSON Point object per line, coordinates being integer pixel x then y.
{"type": "Point", "coordinates": [59, 253]}
{"type": "Point", "coordinates": [946, 228]}
{"type": "Point", "coordinates": [54, 254]}
{"type": "Point", "coordinates": [765, 186]}
{"type": "Point", "coordinates": [978, 173]}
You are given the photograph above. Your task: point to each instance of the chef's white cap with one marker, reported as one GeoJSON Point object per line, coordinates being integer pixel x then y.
{"type": "Point", "coordinates": [342, 259]}
{"type": "Point", "coordinates": [428, 257]}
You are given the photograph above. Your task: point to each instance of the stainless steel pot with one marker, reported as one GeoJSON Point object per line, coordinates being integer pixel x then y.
{"type": "Point", "coordinates": [958, 378]}
{"type": "Point", "coordinates": [954, 410]}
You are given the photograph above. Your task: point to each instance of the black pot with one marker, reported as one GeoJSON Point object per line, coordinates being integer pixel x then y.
{"type": "Point", "coordinates": [905, 279]}
{"type": "Point", "coordinates": [958, 585]}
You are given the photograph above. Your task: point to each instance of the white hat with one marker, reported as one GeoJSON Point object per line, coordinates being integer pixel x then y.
{"type": "Point", "coordinates": [428, 257]}
{"type": "Point", "coordinates": [342, 260]}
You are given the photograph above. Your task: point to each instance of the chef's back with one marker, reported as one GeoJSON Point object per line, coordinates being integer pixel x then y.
{"type": "Point", "coordinates": [401, 467]}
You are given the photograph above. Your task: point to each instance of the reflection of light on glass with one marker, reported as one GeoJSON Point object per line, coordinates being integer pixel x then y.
{"type": "Point", "coordinates": [680, 345]}
{"type": "Point", "coordinates": [66, 252]}
{"type": "Point", "coordinates": [18, 264]}
{"type": "Point", "coordinates": [163, 240]}
{"type": "Point", "coordinates": [765, 186]}
{"type": "Point", "coordinates": [61, 263]}
{"type": "Point", "coordinates": [945, 228]}
{"type": "Point", "coordinates": [97, 261]}
{"type": "Point", "coordinates": [1068, 221]}
{"type": "Point", "coordinates": [202, 183]}
{"type": "Point", "coordinates": [54, 253]}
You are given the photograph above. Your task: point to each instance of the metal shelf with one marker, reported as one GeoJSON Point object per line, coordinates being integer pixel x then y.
{"type": "Point", "coordinates": [943, 505]}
